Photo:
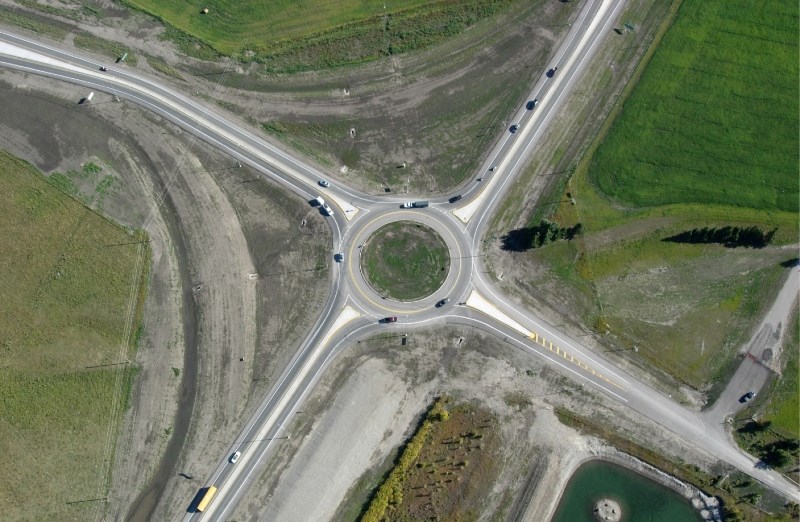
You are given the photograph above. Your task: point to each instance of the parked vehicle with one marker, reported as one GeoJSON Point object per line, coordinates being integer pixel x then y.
{"type": "Point", "coordinates": [747, 397]}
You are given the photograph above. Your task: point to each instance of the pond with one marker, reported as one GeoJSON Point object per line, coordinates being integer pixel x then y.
{"type": "Point", "coordinates": [640, 499]}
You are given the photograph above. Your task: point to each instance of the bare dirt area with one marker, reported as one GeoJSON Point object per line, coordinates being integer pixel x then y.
{"type": "Point", "coordinates": [436, 111]}
{"type": "Point", "coordinates": [345, 438]}
{"type": "Point", "coordinates": [229, 295]}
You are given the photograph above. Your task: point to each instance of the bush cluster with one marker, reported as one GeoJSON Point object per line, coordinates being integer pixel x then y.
{"type": "Point", "coordinates": [731, 237]}
{"type": "Point", "coordinates": [522, 239]}
{"type": "Point", "coordinates": [390, 493]}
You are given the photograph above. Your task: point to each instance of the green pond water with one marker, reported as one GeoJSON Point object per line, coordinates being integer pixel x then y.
{"type": "Point", "coordinates": [640, 499]}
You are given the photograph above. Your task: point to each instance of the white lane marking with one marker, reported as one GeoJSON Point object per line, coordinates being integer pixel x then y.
{"type": "Point", "coordinates": [478, 302]}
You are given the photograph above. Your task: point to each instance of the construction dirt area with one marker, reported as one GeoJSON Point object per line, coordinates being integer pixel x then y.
{"type": "Point", "coordinates": [240, 272]}
{"type": "Point", "coordinates": [371, 400]}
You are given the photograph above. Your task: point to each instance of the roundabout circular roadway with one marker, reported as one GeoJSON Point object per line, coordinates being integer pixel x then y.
{"type": "Point", "coordinates": [365, 297]}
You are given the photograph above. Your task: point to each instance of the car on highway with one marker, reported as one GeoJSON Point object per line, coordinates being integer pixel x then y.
{"type": "Point", "coordinates": [324, 183]}
{"type": "Point", "coordinates": [407, 204]}
{"type": "Point", "coordinates": [328, 210]}
{"type": "Point", "coordinates": [235, 457]}
{"type": "Point", "coordinates": [493, 168]}
{"type": "Point", "coordinates": [443, 302]}
{"type": "Point", "coordinates": [533, 103]}
{"type": "Point", "coordinates": [103, 68]}
{"type": "Point", "coordinates": [391, 319]}
{"type": "Point", "coordinates": [514, 128]}
{"type": "Point", "coordinates": [552, 72]}
{"type": "Point", "coordinates": [455, 198]}
{"type": "Point", "coordinates": [339, 257]}
{"type": "Point", "coordinates": [747, 397]}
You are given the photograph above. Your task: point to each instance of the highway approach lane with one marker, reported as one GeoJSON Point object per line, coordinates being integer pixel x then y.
{"type": "Point", "coordinates": [353, 309]}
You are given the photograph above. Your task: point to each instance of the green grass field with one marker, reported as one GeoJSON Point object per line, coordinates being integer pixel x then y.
{"type": "Point", "coordinates": [69, 279]}
{"type": "Point", "coordinates": [405, 260]}
{"type": "Point", "coordinates": [687, 308]}
{"type": "Point", "coordinates": [288, 36]}
{"type": "Point", "coordinates": [713, 118]}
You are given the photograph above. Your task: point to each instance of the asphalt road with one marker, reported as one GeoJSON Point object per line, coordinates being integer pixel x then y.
{"type": "Point", "coordinates": [353, 309]}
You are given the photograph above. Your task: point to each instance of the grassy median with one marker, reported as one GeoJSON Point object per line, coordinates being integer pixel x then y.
{"type": "Point", "coordinates": [405, 260]}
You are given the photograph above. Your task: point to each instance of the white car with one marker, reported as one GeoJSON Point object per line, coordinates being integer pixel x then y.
{"type": "Point", "coordinates": [407, 204]}
{"type": "Point", "coordinates": [328, 210]}
{"type": "Point", "coordinates": [235, 457]}
{"type": "Point", "coordinates": [323, 183]}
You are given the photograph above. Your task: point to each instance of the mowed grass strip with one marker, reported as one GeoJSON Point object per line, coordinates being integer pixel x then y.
{"type": "Point", "coordinates": [713, 118]}
{"type": "Point", "coordinates": [68, 279]}
{"type": "Point", "coordinates": [290, 36]}
{"type": "Point", "coordinates": [405, 260]}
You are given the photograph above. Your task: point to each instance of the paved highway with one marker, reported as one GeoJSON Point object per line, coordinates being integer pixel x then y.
{"type": "Point", "coordinates": [353, 308]}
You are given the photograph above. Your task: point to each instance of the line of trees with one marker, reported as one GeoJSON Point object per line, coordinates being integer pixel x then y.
{"type": "Point", "coordinates": [521, 239]}
{"type": "Point", "coordinates": [731, 237]}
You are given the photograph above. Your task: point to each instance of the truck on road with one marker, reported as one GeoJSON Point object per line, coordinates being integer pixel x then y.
{"type": "Point", "coordinates": [419, 204]}
{"type": "Point", "coordinates": [206, 500]}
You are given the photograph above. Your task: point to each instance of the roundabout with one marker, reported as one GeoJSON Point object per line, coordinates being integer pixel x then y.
{"type": "Point", "coordinates": [388, 249]}
{"type": "Point", "coordinates": [404, 261]}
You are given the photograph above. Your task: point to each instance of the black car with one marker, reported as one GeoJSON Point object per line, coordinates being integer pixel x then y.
{"type": "Point", "coordinates": [513, 128]}
{"type": "Point", "coordinates": [747, 397]}
{"type": "Point", "coordinates": [389, 320]}
{"type": "Point", "coordinates": [532, 104]}
{"type": "Point", "coordinates": [455, 198]}
{"type": "Point", "coordinates": [103, 68]}
{"type": "Point", "coordinates": [443, 302]}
